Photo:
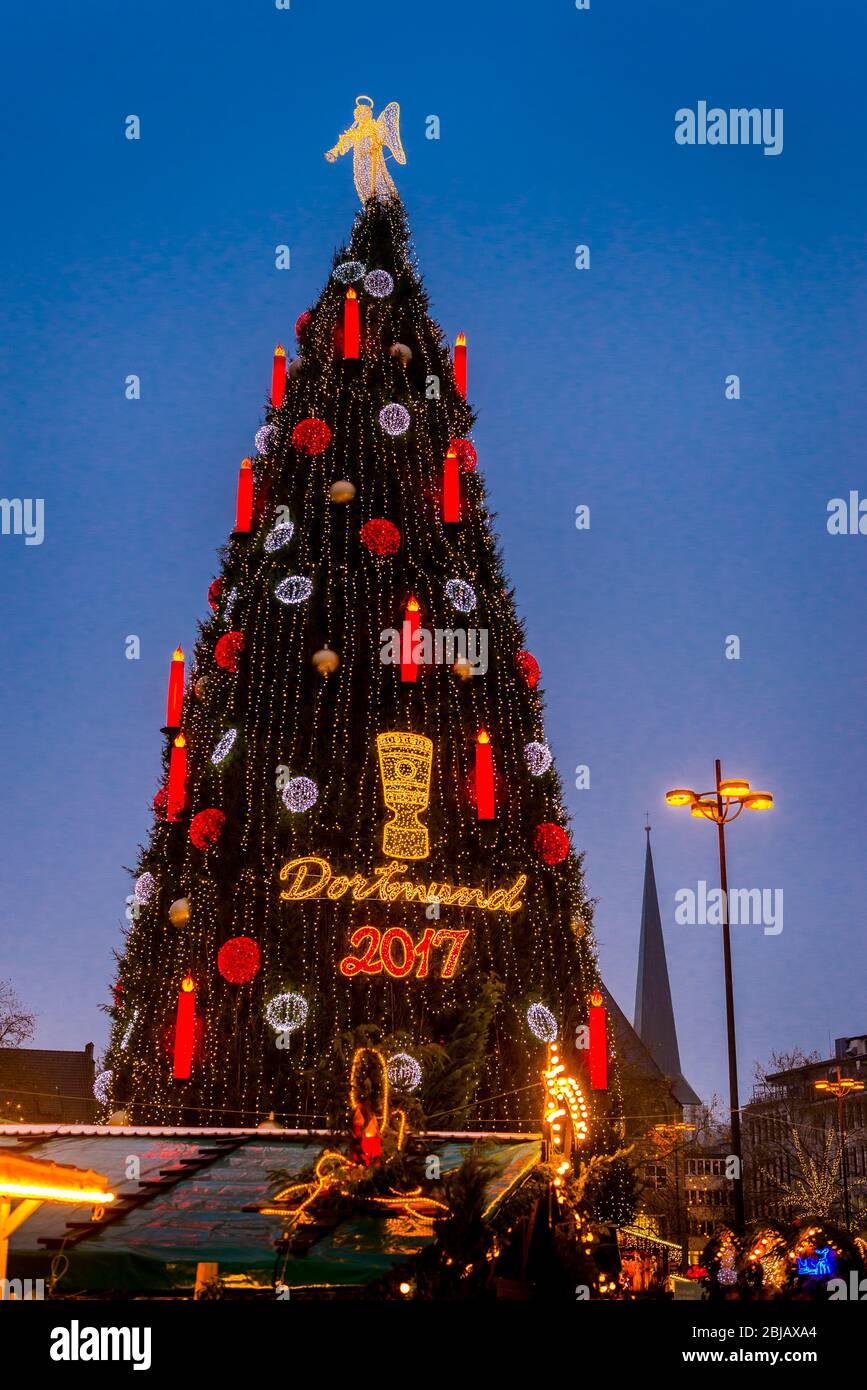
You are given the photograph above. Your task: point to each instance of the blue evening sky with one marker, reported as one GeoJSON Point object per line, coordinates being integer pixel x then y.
{"type": "Point", "coordinates": [604, 387]}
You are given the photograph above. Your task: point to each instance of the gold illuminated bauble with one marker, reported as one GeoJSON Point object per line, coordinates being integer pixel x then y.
{"type": "Point", "coordinates": [579, 927]}
{"type": "Point", "coordinates": [401, 352]}
{"type": "Point", "coordinates": [325, 661]}
{"type": "Point", "coordinates": [463, 668]}
{"type": "Point", "coordinates": [179, 912]}
{"type": "Point", "coordinates": [294, 366]}
{"type": "Point", "coordinates": [342, 491]}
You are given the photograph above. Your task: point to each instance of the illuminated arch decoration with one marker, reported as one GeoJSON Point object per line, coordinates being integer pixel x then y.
{"type": "Point", "coordinates": [565, 1110]}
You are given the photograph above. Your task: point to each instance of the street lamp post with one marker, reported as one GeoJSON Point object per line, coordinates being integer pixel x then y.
{"type": "Point", "coordinates": [722, 805]}
{"type": "Point", "coordinates": [842, 1086]}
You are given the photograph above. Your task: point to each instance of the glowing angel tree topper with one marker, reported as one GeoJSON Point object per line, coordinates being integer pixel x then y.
{"type": "Point", "coordinates": [368, 139]}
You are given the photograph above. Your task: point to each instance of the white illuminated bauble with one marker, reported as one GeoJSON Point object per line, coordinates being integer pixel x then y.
{"type": "Point", "coordinates": [538, 756]}
{"type": "Point", "coordinates": [294, 589]}
{"type": "Point", "coordinates": [300, 793]}
{"type": "Point", "coordinates": [542, 1023]}
{"type": "Point", "coordinates": [224, 747]}
{"type": "Point", "coordinates": [378, 283]}
{"type": "Point", "coordinates": [266, 437]}
{"type": "Point", "coordinates": [285, 1013]}
{"type": "Point", "coordinates": [145, 887]}
{"type": "Point", "coordinates": [280, 536]}
{"type": "Point", "coordinates": [394, 418]}
{"type": "Point", "coordinates": [348, 271]}
{"type": "Point", "coordinates": [461, 595]}
{"type": "Point", "coordinates": [102, 1087]}
{"type": "Point", "coordinates": [404, 1072]}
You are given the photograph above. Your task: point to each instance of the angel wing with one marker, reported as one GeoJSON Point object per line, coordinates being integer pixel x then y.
{"type": "Point", "coordinates": [388, 126]}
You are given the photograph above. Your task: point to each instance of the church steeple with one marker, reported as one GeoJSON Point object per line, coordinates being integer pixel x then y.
{"type": "Point", "coordinates": [654, 1013]}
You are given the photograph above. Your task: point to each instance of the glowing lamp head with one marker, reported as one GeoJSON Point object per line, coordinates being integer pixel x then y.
{"type": "Point", "coordinates": [703, 810]}
{"type": "Point", "coordinates": [734, 787]}
{"type": "Point", "coordinates": [759, 801]}
{"type": "Point", "coordinates": [596, 999]}
{"type": "Point", "coordinates": [188, 984]}
{"type": "Point", "coordinates": [279, 350]}
{"type": "Point", "coordinates": [680, 796]}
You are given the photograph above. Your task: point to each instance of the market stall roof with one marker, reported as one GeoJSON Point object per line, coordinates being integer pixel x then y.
{"type": "Point", "coordinates": [193, 1198]}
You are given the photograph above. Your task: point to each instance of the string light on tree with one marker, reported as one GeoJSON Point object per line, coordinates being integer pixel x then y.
{"type": "Point", "coordinates": [295, 588]}
{"type": "Point", "coordinates": [102, 1087]}
{"type": "Point", "coordinates": [300, 793]}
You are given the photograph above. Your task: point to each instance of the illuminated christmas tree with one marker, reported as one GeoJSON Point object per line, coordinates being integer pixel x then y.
{"type": "Point", "coordinates": [360, 837]}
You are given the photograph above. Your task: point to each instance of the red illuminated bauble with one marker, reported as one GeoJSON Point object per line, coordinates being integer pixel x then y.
{"type": "Point", "coordinates": [206, 827]}
{"type": "Point", "coordinates": [161, 802]}
{"type": "Point", "coordinates": [229, 649]}
{"type": "Point", "coordinates": [380, 536]}
{"type": "Point", "coordinates": [551, 842]}
{"type": "Point", "coordinates": [301, 324]}
{"type": "Point", "coordinates": [238, 960]}
{"type": "Point", "coordinates": [529, 668]}
{"type": "Point", "coordinates": [311, 436]}
{"type": "Point", "coordinates": [215, 593]}
{"type": "Point", "coordinates": [467, 456]}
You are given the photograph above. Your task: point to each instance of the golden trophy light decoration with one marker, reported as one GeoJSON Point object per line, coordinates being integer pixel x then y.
{"type": "Point", "coordinates": [405, 763]}
{"type": "Point", "coordinates": [368, 138]}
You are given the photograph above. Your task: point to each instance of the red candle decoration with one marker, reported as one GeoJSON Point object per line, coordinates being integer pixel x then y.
{"type": "Point", "coordinates": [598, 1043]}
{"type": "Point", "coordinates": [175, 701]}
{"type": "Point", "coordinates": [451, 487]}
{"type": "Point", "coordinates": [185, 1029]}
{"type": "Point", "coordinates": [484, 777]}
{"type": "Point", "coordinates": [244, 506]}
{"type": "Point", "coordinates": [411, 625]}
{"type": "Point", "coordinates": [177, 779]}
{"type": "Point", "coordinates": [351, 330]}
{"type": "Point", "coordinates": [461, 364]}
{"type": "Point", "coordinates": [278, 377]}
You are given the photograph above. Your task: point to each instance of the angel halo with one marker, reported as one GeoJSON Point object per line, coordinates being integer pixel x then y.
{"type": "Point", "coordinates": [369, 138]}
